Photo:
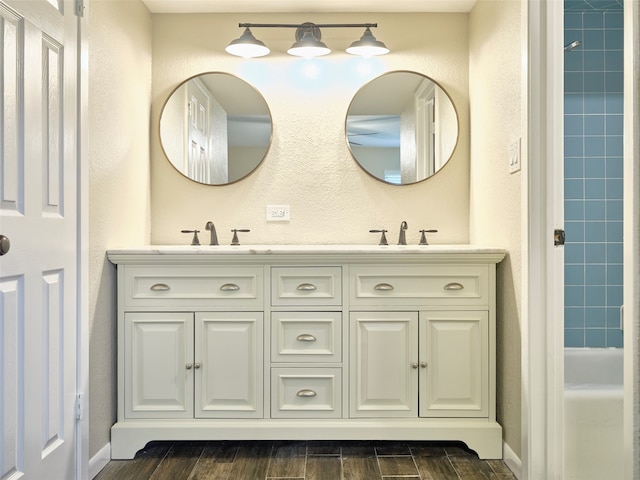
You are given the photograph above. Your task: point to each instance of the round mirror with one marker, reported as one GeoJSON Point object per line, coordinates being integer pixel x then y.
{"type": "Point", "coordinates": [402, 127]}
{"type": "Point", "coordinates": [215, 128]}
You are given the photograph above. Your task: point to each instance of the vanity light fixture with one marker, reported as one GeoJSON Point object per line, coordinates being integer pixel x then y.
{"type": "Point", "coordinates": [247, 46]}
{"type": "Point", "coordinates": [308, 40]}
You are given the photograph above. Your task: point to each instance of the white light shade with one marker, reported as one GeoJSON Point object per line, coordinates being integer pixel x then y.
{"type": "Point", "coordinates": [367, 46]}
{"type": "Point", "coordinates": [247, 46]}
{"type": "Point", "coordinates": [308, 46]}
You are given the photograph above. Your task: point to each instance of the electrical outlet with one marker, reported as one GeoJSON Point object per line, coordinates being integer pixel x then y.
{"type": "Point", "coordinates": [514, 157]}
{"type": "Point", "coordinates": [278, 213]}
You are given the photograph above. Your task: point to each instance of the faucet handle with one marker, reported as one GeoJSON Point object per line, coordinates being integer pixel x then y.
{"type": "Point", "coordinates": [423, 237]}
{"type": "Point", "coordinates": [196, 240]}
{"type": "Point", "coordinates": [383, 238]}
{"type": "Point", "coordinates": [235, 231]}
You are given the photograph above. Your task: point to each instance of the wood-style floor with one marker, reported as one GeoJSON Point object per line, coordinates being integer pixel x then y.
{"type": "Point", "coordinates": [300, 460]}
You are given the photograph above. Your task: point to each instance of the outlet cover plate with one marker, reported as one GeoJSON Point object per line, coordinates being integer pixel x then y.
{"type": "Point", "coordinates": [278, 213]}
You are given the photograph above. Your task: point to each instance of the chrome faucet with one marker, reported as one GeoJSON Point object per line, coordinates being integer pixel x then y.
{"type": "Point", "coordinates": [214, 236]}
{"type": "Point", "coordinates": [403, 239]}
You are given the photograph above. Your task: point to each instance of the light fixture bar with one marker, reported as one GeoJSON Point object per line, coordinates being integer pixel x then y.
{"type": "Point", "coordinates": [303, 25]}
{"type": "Point", "coordinates": [308, 40]}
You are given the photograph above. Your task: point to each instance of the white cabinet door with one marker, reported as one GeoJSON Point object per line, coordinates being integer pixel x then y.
{"type": "Point", "coordinates": [384, 364]}
{"type": "Point", "coordinates": [228, 361]}
{"type": "Point", "coordinates": [158, 365]}
{"type": "Point", "coordinates": [455, 346]}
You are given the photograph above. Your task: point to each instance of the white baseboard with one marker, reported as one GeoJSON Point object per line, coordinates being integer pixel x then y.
{"type": "Point", "coordinates": [99, 460]}
{"type": "Point", "coordinates": [511, 460]}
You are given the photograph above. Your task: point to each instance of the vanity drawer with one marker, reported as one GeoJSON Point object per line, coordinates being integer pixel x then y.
{"type": "Point", "coordinates": [306, 337]}
{"type": "Point", "coordinates": [306, 392]}
{"type": "Point", "coordinates": [312, 286]}
{"type": "Point", "coordinates": [420, 285]}
{"type": "Point", "coordinates": [194, 286]}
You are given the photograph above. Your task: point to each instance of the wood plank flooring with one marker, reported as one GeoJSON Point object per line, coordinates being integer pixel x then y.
{"type": "Point", "coordinates": [305, 460]}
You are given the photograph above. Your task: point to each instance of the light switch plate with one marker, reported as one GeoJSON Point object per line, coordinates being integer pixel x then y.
{"type": "Point", "coordinates": [514, 157]}
{"type": "Point", "coordinates": [278, 213]}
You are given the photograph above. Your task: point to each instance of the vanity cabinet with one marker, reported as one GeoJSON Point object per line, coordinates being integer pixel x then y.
{"type": "Point", "coordinates": [385, 343]}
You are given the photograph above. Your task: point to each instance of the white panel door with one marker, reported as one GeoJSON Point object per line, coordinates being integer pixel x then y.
{"type": "Point", "coordinates": [228, 354]}
{"type": "Point", "coordinates": [158, 371]}
{"type": "Point", "coordinates": [455, 382]}
{"type": "Point", "coordinates": [384, 364]}
{"type": "Point", "coordinates": [38, 213]}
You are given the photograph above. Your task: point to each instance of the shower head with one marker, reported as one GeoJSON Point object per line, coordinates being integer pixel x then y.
{"type": "Point", "coordinates": [572, 46]}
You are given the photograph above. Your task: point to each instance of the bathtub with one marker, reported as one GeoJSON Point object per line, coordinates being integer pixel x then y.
{"type": "Point", "coordinates": [593, 413]}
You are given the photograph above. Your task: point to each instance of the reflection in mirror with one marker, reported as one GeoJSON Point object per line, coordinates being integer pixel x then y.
{"type": "Point", "coordinates": [402, 127]}
{"type": "Point", "coordinates": [215, 128]}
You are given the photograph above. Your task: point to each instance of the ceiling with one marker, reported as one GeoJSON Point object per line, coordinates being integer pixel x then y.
{"type": "Point", "coordinates": [280, 6]}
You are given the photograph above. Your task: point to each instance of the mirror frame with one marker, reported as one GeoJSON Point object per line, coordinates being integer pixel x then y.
{"type": "Point", "coordinates": [183, 83]}
{"type": "Point", "coordinates": [455, 111]}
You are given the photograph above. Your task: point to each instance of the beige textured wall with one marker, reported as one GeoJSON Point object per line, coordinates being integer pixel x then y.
{"type": "Point", "coordinates": [119, 103]}
{"type": "Point", "coordinates": [309, 166]}
{"type": "Point", "coordinates": [496, 98]}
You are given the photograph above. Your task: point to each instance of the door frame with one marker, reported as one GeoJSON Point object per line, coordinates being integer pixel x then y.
{"type": "Point", "coordinates": [542, 340]}
{"type": "Point", "coordinates": [631, 281]}
{"type": "Point", "coordinates": [82, 252]}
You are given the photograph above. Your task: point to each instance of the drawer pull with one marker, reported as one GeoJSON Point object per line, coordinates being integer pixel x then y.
{"type": "Point", "coordinates": [159, 287]}
{"type": "Point", "coordinates": [306, 287]}
{"type": "Point", "coordinates": [229, 287]}
{"type": "Point", "coordinates": [454, 286]}
{"type": "Point", "coordinates": [306, 393]}
{"type": "Point", "coordinates": [306, 337]}
{"type": "Point", "coordinates": [383, 287]}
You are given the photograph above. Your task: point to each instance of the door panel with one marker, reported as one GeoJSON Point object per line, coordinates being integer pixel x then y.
{"type": "Point", "coordinates": [158, 365]}
{"type": "Point", "coordinates": [228, 350]}
{"type": "Point", "coordinates": [455, 349]}
{"type": "Point", "coordinates": [384, 362]}
{"type": "Point", "coordinates": [38, 279]}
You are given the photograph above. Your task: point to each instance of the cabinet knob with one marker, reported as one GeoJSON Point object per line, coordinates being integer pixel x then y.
{"type": "Point", "coordinates": [196, 366]}
{"type": "Point", "coordinates": [306, 287]}
{"type": "Point", "coordinates": [306, 393]}
{"type": "Point", "coordinates": [383, 287]}
{"type": "Point", "coordinates": [189, 366]}
{"type": "Point", "coordinates": [414, 365]}
{"type": "Point", "coordinates": [229, 287]}
{"type": "Point", "coordinates": [306, 337]}
{"type": "Point", "coordinates": [423, 364]}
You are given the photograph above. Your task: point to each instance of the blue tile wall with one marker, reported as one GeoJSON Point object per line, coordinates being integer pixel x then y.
{"type": "Point", "coordinates": [593, 123]}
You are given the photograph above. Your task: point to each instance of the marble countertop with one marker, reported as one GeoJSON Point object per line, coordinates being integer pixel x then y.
{"type": "Point", "coordinates": [304, 249]}
{"type": "Point", "coordinates": [303, 254]}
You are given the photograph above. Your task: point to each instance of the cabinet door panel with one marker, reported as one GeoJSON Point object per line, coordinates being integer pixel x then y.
{"type": "Point", "coordinates": [228, 354]}
{"type": "Point", "coordinates": [158, 356]}
{"type": "Point", "coordinates": [384, 349]}
{"type": "Point", "coordinates": [454, 344]}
